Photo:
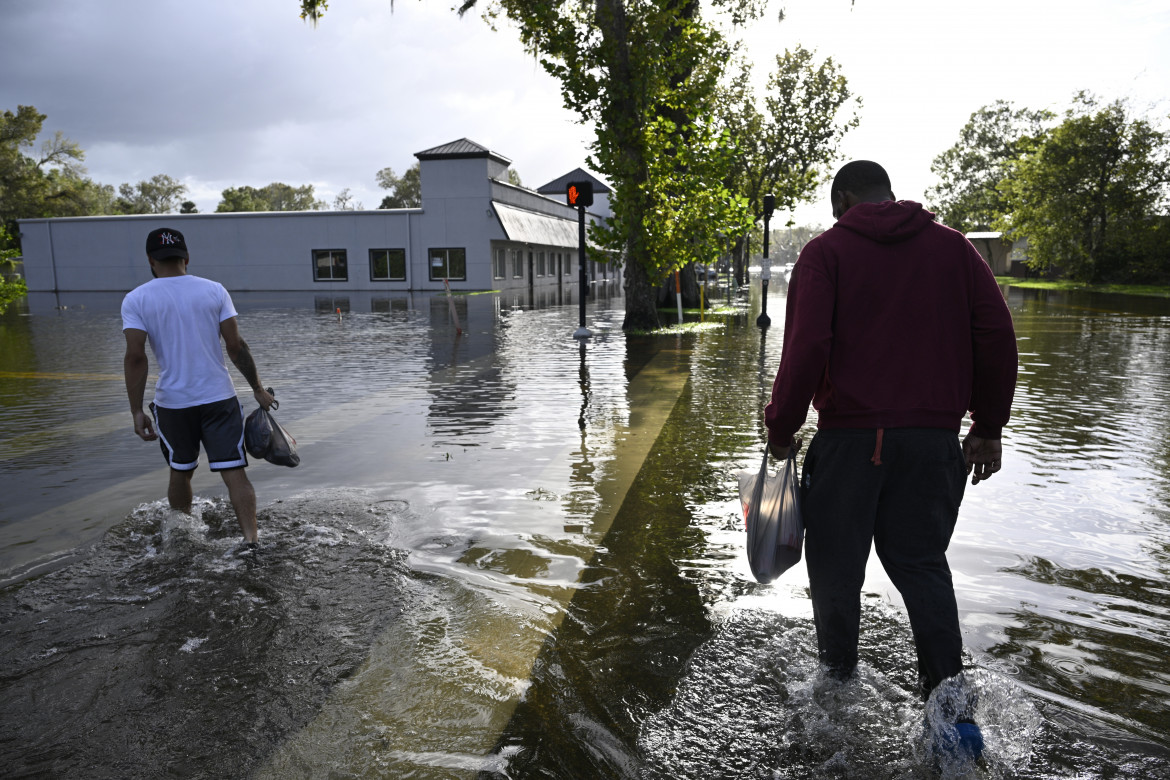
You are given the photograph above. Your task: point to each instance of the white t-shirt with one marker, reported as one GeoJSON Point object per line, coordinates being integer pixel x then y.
{"type": "Point", "coordinates": [181, 317]}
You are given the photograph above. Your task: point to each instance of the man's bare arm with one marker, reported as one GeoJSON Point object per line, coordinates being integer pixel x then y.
{"type": "Point", "coordinates": [241, 357]}
{"type": "Point", "coordinates": [135, 367]}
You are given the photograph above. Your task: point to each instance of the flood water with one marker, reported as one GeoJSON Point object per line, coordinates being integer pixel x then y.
{"type": "Point", "coordinates": [505, 555]}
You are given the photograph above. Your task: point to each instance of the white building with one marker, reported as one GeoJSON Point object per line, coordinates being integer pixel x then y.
{"type": "Point", "coordinates": [474, 230]}
{"type": "Point", "coordinates": [994, 249]}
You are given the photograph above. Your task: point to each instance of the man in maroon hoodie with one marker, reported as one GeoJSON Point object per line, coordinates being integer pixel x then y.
{"type": "Point", "coordinates": [895, 330]}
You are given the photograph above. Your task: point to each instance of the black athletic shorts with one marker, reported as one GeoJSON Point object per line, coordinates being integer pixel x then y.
{"type": "Point", "coordinates": [218, 425]}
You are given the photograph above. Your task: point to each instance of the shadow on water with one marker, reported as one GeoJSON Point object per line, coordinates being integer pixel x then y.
{"type": "Point", "coordinates": [617, 655]}
{"type": "Point", "coordinates": [190, 660]}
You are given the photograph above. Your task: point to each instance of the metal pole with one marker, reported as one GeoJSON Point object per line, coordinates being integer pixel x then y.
{"type": "Point", "coordinates": [764, 320]}
{"type": "Point", "coordinates": [703, 294]}
{"type": "Point", "coordinates": [730, 262]}
{"type": "Point", "coordinates": [582, 332]}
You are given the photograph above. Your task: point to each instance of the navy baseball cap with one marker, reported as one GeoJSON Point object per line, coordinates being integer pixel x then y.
{"type": "Point", "coordinates": [164, 243]}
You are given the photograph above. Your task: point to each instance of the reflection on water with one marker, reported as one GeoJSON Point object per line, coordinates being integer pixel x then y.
{"type": "Point", "coordinates": [509, 554]}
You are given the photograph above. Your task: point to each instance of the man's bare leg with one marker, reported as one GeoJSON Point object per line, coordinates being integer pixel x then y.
{"type": "Point", "coordinates": [179, 490]}
{"type": "Point", "coordinates": [243, 498]}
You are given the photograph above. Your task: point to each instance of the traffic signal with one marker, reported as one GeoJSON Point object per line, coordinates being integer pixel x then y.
{"type": "Point", "coordinates": [769, 205]}
{"type": "Point", "coordinates": [580, 193]}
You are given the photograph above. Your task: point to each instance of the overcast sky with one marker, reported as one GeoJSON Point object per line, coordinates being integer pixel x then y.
{"type": "Point", "coordinates": [221, 94]}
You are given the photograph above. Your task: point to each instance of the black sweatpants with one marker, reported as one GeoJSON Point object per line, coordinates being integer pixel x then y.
{"type": "Point", "coordinates": [901, 489]}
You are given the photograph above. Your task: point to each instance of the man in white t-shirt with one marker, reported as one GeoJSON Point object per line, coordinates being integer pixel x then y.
{"type": "Point", "coordinates": [195, 402]}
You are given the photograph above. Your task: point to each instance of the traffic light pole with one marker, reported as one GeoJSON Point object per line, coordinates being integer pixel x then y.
{"type": "Point", "coordinates": [582, 332]}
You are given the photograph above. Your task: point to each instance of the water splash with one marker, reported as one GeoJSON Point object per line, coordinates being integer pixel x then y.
{"type": "Point", "coordinates": [1007, 717]}
{"type": "Point", "coordinates": [162, 626]}
{"type": "Point", "coordinates": [755, 703]}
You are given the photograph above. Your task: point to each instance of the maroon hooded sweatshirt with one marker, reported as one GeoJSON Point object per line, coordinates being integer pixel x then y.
{"type": "Point", "coordinates": [893, 321]}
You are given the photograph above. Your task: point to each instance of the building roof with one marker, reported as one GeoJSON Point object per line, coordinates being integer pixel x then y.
{"type": "Point", "coordinates": [557, 185]}
{"type": "Point", "coordinates": [532, 228]}
{"type": "Point", "coordinates": [462, 149]}
{"type": "Point", "coordinates": [984, 235]}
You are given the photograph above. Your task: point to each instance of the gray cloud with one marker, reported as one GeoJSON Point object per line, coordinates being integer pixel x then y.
{"type": "Point", "coordinates": [225, 94]}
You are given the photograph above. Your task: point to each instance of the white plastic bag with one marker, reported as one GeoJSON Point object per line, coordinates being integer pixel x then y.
{"type": "Point", "coordinates": [771, 511]}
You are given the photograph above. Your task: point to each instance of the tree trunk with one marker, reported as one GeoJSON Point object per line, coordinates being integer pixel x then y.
{"type": "Point", "coordinates": [738, 264]}
{"type": "Point", "coordinates": [689, 284]}
{"type": "Point", "coordinates": [641, 312]}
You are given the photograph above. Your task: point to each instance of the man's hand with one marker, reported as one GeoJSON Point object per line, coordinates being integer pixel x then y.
{"type": "Point", "coordinates": [264, 398]}
{"type": "Point", "coordinates": [781, 453]}
{"type": "Point", "coordinates": [982, 456]}
{"type": "Point", "coordinates": [144, 426]}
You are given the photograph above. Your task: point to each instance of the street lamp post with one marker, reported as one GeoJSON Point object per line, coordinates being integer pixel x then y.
{"type": "Point", "coordinates": [764, 320]}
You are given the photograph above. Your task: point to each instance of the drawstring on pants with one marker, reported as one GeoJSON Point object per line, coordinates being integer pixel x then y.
{"type": "Point", "coordinates": [876, 458]}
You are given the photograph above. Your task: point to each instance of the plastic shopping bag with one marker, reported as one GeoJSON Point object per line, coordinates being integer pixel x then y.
{"type": "Point", "coordinates": [771, 510]}
{"type": "Point", "coordinates": [265, 438]}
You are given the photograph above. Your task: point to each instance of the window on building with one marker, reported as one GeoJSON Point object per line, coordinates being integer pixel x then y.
{"type": "Point", "coordinates": [540, 263]}
{"type": "Point", "coordinates": [517, 264]}
{"type": "Point", "coordinates": [500, 264]}
{"type": "Point", "coordinates": [448, 264]}
{"type": "Point", "coordinates": [387, 265]}
{"type": "Point", "coordinates": [329, 265]}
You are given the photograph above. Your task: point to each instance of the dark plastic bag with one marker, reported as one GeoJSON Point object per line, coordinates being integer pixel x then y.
{"type": "Point", "coordinates": [265, 438]}
{"type": "Point", "coordinates": [771, 511]}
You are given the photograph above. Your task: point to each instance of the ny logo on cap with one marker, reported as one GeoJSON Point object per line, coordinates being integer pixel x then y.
{"type": "Point", "coordinates": [168, 238]}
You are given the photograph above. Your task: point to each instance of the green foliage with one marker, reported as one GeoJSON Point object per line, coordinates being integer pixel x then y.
{"type": "Point", "coordinates": [343, 201]}
{"type": "Point", "coordinates": [801, 129]}
{"type": "Point", "coordinates": [51, 183]}
{"type": "Point", "coordinates": [1090, 193]}
{"type": "Point", "coordinates": [273, 197]}
{"type": "Point", "coordinates": [787, 149]}
{"type": "Point", "coordinates": [160, 194]}
{"type": "Point", "coordinates": [12, 286]}
{"type": "Point", "coordinates": [647, 75]}
{"type": "Point", "coordinates": [405, 191]}
{"type": "Point", "coordinates": [967, 197]}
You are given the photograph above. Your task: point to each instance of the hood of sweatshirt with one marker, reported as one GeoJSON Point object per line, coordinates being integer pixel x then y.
{"type": "Point", "coordinates": [887, 222]}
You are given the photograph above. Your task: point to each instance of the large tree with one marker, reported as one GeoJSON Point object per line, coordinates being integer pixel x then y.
{"type": "Point", "coordinates": [160, 194]}
{"type": "Point", "coordinates": [47, 182]}
{"type": "Point", "coordinates": [1084, 193]}
{"type": "Point", "coordinates": [344, 201]}
{"type": "Point", "coordinates": [967, 196]}
{"type": "Point", "coordinates": [276, 196]}
{"type": "Point", "coordinates": [787, 148]}
{"type": "Point", "coordinates": [645, 74]}
{"type": "Point", "coordinates": [405, 190]}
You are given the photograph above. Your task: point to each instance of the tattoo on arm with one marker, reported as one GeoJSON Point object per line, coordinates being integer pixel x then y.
{"type": "Point", "coordinates": [243, 361]}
